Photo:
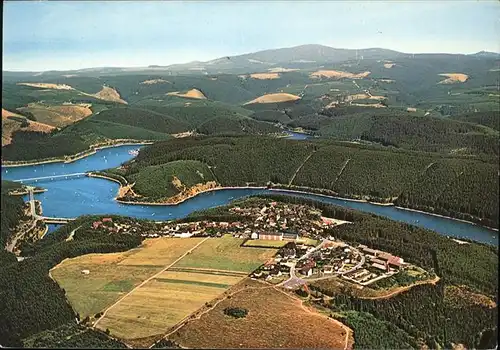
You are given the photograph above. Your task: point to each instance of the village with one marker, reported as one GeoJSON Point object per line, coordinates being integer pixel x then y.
{"type": "Point", "coordinates": [295, 229]}
{"type": "Point", "coordinates": [299, 263]}
{"type": "Point", "coordinates": [275, 221]}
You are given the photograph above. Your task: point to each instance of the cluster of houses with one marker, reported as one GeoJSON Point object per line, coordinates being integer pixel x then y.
{"type": "Point", "coordinates": [361, 265]}
{"type": "Point", "coordinates": [282, 262]}
{"type": "Point", "coordinates": [378, 265]}
{"type": "Point", "coordinates": [273, 221]}
{"type": "Point", "coordinates": [329, 259]}
{"type": "Point", "coordinates": [279, 221]}
{"type": "Point", "coordinates": [382, 260]}
{"type": "Point", "coordinates": [118, 226]}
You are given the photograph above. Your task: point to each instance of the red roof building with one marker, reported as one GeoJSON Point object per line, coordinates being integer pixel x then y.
{"type": "Point", "coordinates": [395, 261]}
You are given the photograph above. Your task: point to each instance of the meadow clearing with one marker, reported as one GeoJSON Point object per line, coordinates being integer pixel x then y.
{"type": "Point", "coordinates": [60, 115]}
{"type": "Point", "coordinates": [109, 94]}
{"type": "Point", "coordinates": [274, 98]}
{"type": "Point", "coordinates": [338, 74]}
{"type": "Point", "coordinates": [112, 275]}
{"type": "Point", "coordinates": [193, 93]}
{"type": "Point", "coordinates": [275, 319]}
{"type": "Point", "coordinates": [9, 126]}
{"type": "Point", "coordinates": [136, 311]}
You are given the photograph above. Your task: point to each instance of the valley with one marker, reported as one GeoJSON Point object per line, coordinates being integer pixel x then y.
{"type": "Point", "coordinates": [303, 197]}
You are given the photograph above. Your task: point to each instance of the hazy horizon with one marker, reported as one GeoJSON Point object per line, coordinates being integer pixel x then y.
{"type": "Point", "coordinates": [41, 35]}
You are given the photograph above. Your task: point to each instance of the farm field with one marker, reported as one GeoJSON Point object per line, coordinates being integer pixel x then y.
{"type": "Point", "coordinates": [199, 277]}
{"type": "Point", "coordinates": [226, 254]}
{"type": "Point", "coordinates": [113, 275]}
{"type": "Point", "coordinates": [274, 320]}
{"type": "Point", "coordinates": [165, 301]}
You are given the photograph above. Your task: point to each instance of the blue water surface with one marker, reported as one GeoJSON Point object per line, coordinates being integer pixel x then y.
{"type": "Point", "coordinates": [73, 197]}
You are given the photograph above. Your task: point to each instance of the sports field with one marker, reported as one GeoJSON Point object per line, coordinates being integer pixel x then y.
{"type": "Point", "coordinates": [264, 243]}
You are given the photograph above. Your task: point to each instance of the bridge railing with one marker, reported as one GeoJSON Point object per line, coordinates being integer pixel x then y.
{"type": "Point", "coordinates": [51, 177]}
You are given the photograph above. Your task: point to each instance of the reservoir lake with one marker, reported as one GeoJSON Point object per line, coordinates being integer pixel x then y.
{"type": "Point", "coordinates": [75, 196]}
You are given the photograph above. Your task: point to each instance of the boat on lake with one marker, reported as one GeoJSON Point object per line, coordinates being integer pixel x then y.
{"type": "Point", "coordinates": [133, 152]}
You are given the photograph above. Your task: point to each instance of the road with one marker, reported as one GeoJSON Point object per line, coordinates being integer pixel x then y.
{"type": "Point", "coordinates": [403, 289]}
{"type": "Point", "coordinates": [70, 237]}
{"type": "Point", "coordinates": [39, 217]}
{"type": "Point", "coordinates": [32, 200]}
{"type": "Point", "coordinates": [146, 281]}
{"type": "Point", "coordinates": [295, 281]}
{"type": "Point", "coordinates": [10, 246]}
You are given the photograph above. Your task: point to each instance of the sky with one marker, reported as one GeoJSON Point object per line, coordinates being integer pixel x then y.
{"type": "Point", "coordinates": [64, 35]}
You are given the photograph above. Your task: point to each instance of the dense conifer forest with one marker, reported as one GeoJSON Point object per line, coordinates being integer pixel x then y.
{"type": "Point", "coordinates": [457, 186]}
{"type": "Point", "coordinates": [437, 315]}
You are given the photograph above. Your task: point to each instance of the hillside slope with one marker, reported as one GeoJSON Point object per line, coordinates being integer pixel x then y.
{"type": "Point", "coordinates": [467, 190]}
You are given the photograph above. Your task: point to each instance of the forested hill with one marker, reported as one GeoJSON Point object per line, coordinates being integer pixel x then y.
{"type": "Point", "coordinates": [11, 214]}
{"type": "Point", "coordinates": [431, 102]}
{"type": "Point", "coordinates": [460, 187]}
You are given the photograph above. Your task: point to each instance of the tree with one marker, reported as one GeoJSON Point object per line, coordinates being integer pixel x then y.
{"type": "Point", "coordinates": [236, 312]}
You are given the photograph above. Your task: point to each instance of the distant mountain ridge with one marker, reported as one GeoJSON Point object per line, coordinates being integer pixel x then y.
{"type": "Point", "coordinates": [302, 56]}
{"type": "Point", "coordinates": [488, 54]}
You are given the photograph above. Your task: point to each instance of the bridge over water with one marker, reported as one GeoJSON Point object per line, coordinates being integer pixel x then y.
{"type": "Point", "coordinates": [47, 219]}
{"type": "Point", "coordinates": [51, 177]}
{"type": "Point", "coordinates": [51, 220]}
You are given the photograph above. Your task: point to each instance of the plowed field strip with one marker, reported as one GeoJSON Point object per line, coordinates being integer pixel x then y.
{"type": "Point", "coordinates": [209, 271]}
{"type": "Point", "coordinates": [198, 283]}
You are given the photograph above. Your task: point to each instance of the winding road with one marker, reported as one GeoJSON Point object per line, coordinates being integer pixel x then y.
{"type": "Point", "coordinates": [295, 281]}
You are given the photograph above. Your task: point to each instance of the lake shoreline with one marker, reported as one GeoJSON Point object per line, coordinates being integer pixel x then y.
{"type": "Point", "coordinates": [332, 196]}
{"type": "Point", "coordinates": [447, 217]}
{"type": "Point", "coordinates": [73, 158]}
{"type": "Point", "coordinates": [292, 191]}
{"type": "Point", "coordinates": [192, 196]}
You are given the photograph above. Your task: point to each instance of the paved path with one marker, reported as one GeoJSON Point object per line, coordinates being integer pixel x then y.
{"type": "Point", "coordinates": [70, 237]}
{"type": "Point", "coordinates": [146, 281]}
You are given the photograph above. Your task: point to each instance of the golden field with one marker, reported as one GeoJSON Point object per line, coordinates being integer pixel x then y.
{"type": "Point", "coordinates": [113, 275]}
{"type": "Point", "coordinates": [274, 98]}
{"type": "Point", "coordinates": [275, 319]}
{"type": "Point", "coordinates": [147, 290]}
